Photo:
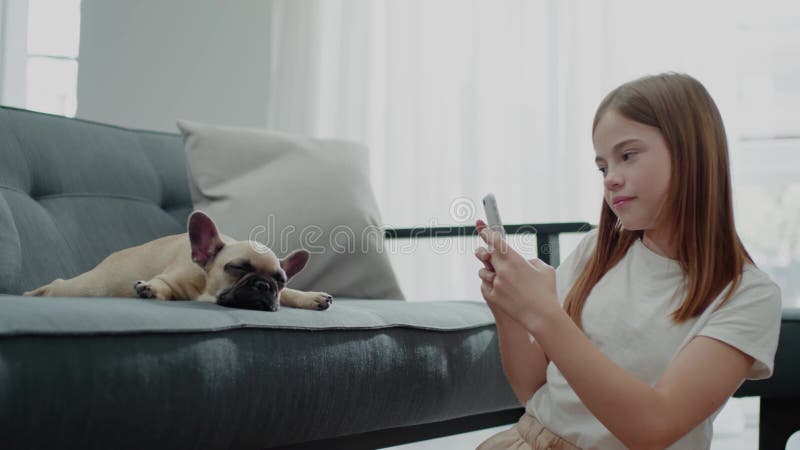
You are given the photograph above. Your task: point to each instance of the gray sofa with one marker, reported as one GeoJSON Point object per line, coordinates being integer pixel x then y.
{"type": "Point", "coordinates": [125, 373]}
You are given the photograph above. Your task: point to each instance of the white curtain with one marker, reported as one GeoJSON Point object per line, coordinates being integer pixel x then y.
{"type": "Point", "coordinates": [456, 98]}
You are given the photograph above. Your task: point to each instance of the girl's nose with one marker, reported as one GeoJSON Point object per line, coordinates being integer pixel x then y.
{"type": "Point", "coordinates": [613, 180]}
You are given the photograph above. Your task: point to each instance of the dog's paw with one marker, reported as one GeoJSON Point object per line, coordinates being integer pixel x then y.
{"type": "Point", "coordinates": [38, 292]}
{"type": "Point", "coordinates": [321, 300]}
{"type": "Point", "coordinates": [143, 289]}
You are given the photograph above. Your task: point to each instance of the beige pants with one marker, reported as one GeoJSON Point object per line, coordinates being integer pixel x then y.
{"type": "Point", "coordinates": [527, 434]}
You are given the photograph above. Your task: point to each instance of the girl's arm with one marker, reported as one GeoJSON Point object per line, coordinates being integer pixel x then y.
{"type": "Point", "coordinates": [701, 378]}
{"type": "Point", "coordinates": [524, 362]}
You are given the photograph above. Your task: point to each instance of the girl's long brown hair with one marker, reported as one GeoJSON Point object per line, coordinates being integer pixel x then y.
{"type": "Point", "coordinates": [698, 207]}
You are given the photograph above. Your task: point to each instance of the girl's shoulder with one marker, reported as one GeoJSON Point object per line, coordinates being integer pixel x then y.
{"type": "Point", "coordinates": [756, 298]}
{"type": "Point", "coordinates": [755, 283]}
{"type": "Point", "coordinates": [579, 256]}
{"type": "Point", "coordinates": [587, 244]}
{"type": "Point", "coordinates": [749, 320]}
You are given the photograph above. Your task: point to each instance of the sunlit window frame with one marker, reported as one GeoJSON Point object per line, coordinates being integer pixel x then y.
{"type": "Point", "coordinates": [30, 56]}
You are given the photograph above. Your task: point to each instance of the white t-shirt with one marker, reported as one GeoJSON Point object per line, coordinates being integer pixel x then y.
{"type": "Point", "coordinates": [627, 316]}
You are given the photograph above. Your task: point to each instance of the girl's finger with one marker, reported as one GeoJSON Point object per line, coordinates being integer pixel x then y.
{"type": "Point", "coordinates": [486, 275]}
{"type": "Point", "coordinates": [483, 255]}
{"type": "Point", "coordinates": [486, 291]}
{"type": "Point", "coordinates": [538, 264]}
{"type": "Point", "coordinates": [494, 240]}
{"type": "Point", "coordinates": [488, 235]}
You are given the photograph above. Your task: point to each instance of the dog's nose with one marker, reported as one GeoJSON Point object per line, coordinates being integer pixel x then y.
{"type": "Point", "coordinates": [261, 285]}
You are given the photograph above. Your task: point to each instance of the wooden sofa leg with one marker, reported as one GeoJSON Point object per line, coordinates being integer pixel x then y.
{"type": "Point", "coordinates": [779, 419]}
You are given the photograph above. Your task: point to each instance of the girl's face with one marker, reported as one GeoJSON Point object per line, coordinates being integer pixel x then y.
{"type": "Point", "coordinates": [635, 163]}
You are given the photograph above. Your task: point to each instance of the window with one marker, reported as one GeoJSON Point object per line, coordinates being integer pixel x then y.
{"type": "Point", "coordinates": [39, 54]}
{"type": "Point", "coordinates": [52, 61]}
{"type": "Point", "coordinates": [764, 152]}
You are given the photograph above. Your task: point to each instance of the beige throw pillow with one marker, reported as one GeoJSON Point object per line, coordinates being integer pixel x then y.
{"type": "Point", "coordinates": [289, 192]}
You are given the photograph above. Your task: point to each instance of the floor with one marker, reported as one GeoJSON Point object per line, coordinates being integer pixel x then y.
{"type": "Point", "coordinates": [736, 428]}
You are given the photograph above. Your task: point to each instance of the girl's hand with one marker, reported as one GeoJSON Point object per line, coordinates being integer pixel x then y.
{"type": "Point", "coordinates": [487, 274]}
{"type": "Point", "coordinates": [521, 289]}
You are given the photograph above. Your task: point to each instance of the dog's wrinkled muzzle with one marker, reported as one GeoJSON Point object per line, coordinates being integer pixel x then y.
{"type": "Point", "coordinates": [252, 291]}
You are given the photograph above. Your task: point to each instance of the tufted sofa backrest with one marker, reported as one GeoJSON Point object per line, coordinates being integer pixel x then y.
{"type": "Point", "coordinates": [72, 192]}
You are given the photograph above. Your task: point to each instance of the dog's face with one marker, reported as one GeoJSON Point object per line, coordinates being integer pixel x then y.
{"type": "Point", "coordinates": [238, 276]}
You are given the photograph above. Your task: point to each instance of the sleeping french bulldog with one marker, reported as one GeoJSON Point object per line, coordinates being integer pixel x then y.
{"type": "Point", "coordinates": [199, 265]}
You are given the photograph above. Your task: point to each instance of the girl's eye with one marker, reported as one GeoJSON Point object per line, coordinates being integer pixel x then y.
{"type": "Point", "coordinates": [627, 155]}
{"type": "Point", "coordinates": [602, 170]}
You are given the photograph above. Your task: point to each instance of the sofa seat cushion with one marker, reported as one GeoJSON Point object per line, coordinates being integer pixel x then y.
{"type": "Point", "coordinates": [190, 374]}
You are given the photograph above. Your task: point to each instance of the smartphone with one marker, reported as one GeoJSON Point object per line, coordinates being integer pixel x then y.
{"type": "Point", "coordinates": [494, 222]}
{"type": "Point", "coordinates": [492, 214]}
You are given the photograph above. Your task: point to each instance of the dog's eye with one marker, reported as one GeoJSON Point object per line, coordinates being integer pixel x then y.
{"type": "Point", "coordinates": [234, 268]}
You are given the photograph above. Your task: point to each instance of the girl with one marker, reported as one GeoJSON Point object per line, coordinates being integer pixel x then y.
{"type": "Point", "coordinates": [658, 316]}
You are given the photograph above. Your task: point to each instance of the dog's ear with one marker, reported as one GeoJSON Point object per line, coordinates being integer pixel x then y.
{"type": "Point", "coordinates": [204, 237]}
{"type": "Point", "coordinates": [294, 263]}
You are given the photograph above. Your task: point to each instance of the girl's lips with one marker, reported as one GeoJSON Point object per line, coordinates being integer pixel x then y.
{"type": "Point", "coordinates": [621, 201]}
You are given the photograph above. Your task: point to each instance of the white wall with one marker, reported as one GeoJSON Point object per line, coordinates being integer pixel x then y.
{"type": "Point", "coordinates": [146, 63]}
